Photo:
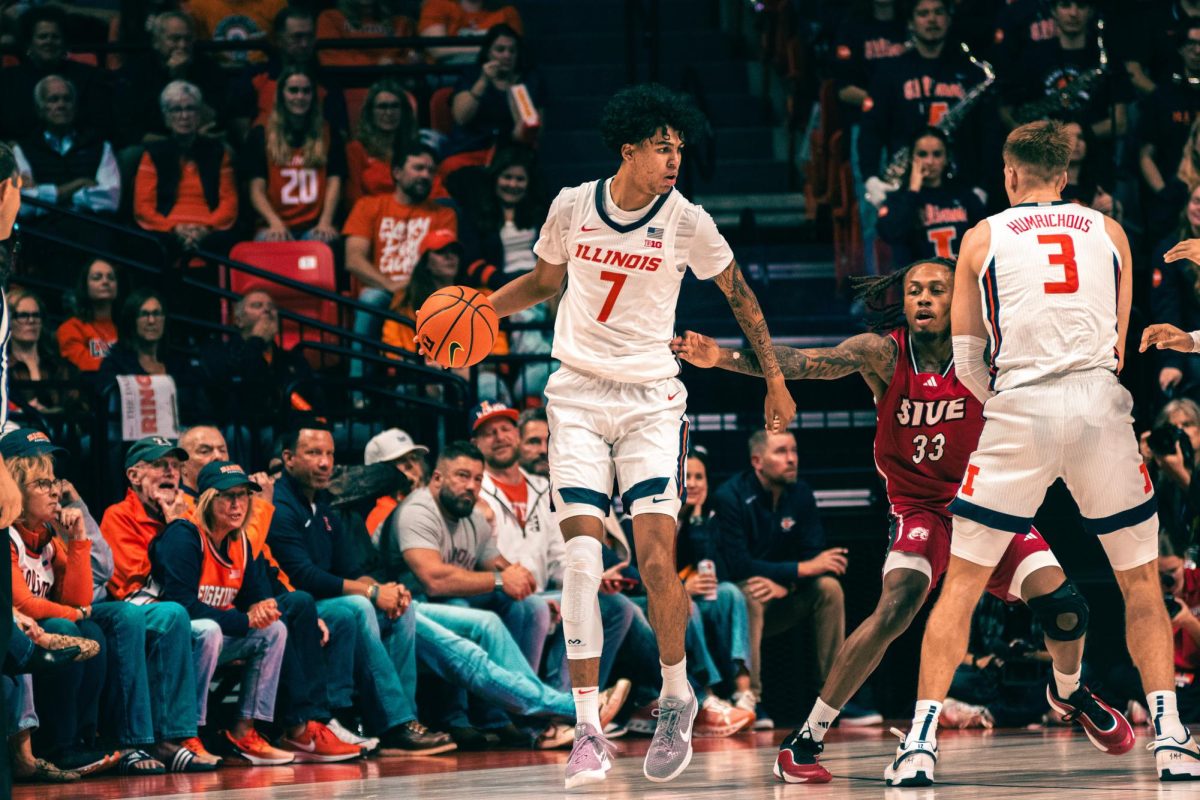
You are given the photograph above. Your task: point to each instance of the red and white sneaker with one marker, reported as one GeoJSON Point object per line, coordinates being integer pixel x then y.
{"type": "Point", "coordinates": [256, 750]}
{"type": "Point", "coordinates": [1106, 727]}
{"type": "Point", "coordinates": [799, 760]}
{"type": "Point", "coordinates": [319, 745]}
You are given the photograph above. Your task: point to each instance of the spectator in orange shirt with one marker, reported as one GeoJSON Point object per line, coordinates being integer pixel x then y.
{"type": "Point", "coordinates": [363, 19]}
{"type": "Point", "coordinates": [185, 184]}
{"type": "Point", "coordinates": [463, 18]}
{"type": "Point", "coordinates": [384, 235]}
{"type": "Point", "coordinates": [295, 164]}
{"type": "Point", "coordinates": [86, 338]}
{"type": "Point", "coordinates": [397, 448]}
{"type": "Point", "coordinates": [228, 20]}
{"type": "Point", "coordinates": [52, 583]}
{"type": "Point", "coordinates": [388, 120]}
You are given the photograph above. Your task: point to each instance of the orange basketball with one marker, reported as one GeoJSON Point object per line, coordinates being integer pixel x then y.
{"type": "Point", "coordinates": [457, 326]}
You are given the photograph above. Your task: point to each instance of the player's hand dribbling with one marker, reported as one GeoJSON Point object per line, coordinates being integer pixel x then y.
{"type": "Point", "coordinates": [696, 349]}
{"type": "Point", "coordinates": [779, 408]}
{"type": "Point", "coordinates": [1165, 336]}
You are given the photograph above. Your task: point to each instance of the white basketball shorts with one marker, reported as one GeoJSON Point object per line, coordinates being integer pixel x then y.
{"type": "Point", "coordinates": [1078, 428]}
{"type": "Point", "coordinates": [601, 429]}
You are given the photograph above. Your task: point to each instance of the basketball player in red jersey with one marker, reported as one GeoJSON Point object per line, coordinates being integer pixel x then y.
{"type": "Point", "coordinates": [928, 426]}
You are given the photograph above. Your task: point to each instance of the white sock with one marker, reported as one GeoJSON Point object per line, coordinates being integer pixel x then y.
{"type": "Point", "coordinates": [587, 706]}
{"type": "Point", "coordinates": [1066, 683]}
{"type": "Point", "coordinates": [819, 720]}
{"type": "Point", "coordinates": [925, 722]}
{"type": "Point", "coordinates": [674, 680]}
{"type": "Point", "coordinates": [1165, 715]}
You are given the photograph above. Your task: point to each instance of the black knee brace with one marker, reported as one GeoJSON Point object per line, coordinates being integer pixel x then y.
{"type": "Point", "coordinates": [1066, 599]}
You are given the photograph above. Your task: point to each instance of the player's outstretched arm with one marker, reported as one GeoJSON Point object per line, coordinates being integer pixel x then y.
{"type": "Point", "coordinates": [779, 408]}
{"type": "Point", "coordinates": [539, 284]}
{"type": "Point", "coordinates": [968, 332]}
{"type": "Point", "coordinates": [868, 353]}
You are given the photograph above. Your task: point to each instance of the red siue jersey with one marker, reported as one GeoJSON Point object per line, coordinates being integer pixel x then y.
{"type": "Point", "coordinates": [927, 427]}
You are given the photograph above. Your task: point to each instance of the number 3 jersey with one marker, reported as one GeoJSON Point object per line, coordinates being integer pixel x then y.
{"type": "Point", "coordinates": [1049, 285]}
{"type": "Point", "coordinates": [624, 270]}
{"type": "Point", "coordinates": [927, 427]}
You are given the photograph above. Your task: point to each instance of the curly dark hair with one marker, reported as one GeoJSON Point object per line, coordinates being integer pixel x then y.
{"type": "Point", "coordinates": [883, 316]}
{"type": "Point", "coordinates": [636, 113]}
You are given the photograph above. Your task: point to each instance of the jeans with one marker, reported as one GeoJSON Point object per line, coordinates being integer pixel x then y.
{"type": "Point", "coordinates": [206, 652]}
{"type": "Point", "coordinates": [20, 650]}
{"type": "Point", "coordinates": [727, 627]}
{"type": "Point", "coordinates": [527, 620]}
{"type": "Point", "coordinates": [262, 649]}
{"type": "Point", "coordinates": [69, 698]}
{"type": "Point", "coordinates": [617, 614]}
{"type": "Point", "coordinates": [301, 694]}
{"type": "Point", "coordinates": [338, 656]}
{"type": "Point", "coordinates": [385, 659]}
{"type": "Point", "coordinates": [18, 698]}
{"type": "Point", "coordinates": [473, 650]}
{"type": "Point", "coordinates": [368, 325]}
{"type": "Point", "coordinates": [152, 681]}
{"type": "Point", "coordinates": [702, 672]}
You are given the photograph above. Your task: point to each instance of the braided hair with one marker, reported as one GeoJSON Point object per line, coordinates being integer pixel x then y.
{"type": "Point", "coordinates": [883, 316]}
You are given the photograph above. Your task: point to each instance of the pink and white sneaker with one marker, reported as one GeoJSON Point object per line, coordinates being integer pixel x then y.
{"type": "Point", "coordinates": [591, 757]}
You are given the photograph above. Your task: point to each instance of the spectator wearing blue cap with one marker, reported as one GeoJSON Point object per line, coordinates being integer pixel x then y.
{"type": "Point", "coordinates": [207, 565]}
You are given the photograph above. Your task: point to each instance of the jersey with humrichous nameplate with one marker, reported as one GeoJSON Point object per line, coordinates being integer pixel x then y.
{"type": "Point", "coordinates": [624, 270]}
{"type": "Point", "coordinates": [1049, 288]}
{"type": "Point", "coordinates": [927, 427]}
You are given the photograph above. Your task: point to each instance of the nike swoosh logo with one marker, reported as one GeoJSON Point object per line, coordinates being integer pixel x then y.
{"type": "Point", "coordinates": [661, 500]}
{"type": "Point", "coordinates": [586, 691]}
{"type": "Point", "coordinates": [455, 347]}
{"type": "Point", "coordinates": [671, 397]}
{"type": "Point", "coordinates": [586, 229]}
{"type": "Point", "coordinates": [311, 747]}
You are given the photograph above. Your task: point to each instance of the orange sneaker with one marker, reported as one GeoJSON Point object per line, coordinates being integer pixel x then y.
{"type": "Point", "coordinates": [717, 718]}
{"type": "Point", "coordinates": [318, 744]}
{"type": "Point", "coordinates": [256, 750]}
{"type": "Point", "coordinates": [200, 751]}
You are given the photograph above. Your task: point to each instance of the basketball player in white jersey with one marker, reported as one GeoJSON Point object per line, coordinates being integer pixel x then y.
{"type": "Point", "coordinates": [616, 407]}
{"type": "Point", "coordinates": [1045, 287]}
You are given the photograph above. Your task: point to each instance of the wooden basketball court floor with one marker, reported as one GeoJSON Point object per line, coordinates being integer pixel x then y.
{"type": "Point", "coordinates": [1030, 765]}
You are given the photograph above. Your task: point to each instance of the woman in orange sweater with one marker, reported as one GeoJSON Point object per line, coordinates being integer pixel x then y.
{"type": "Point", "coordinates": [52, 582]}
{"type": "Point", "coordinates": [185, 184]}
{"type": "Point", "coordinates": [86, 338]}
{"type": "Point", "coordinates": [388, 118]}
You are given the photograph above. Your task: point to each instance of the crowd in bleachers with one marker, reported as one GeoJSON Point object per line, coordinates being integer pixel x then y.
{"type": "Point", "coordinates": [338, 610]}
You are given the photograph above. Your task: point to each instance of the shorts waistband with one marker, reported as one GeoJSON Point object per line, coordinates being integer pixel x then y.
{"type": "Point", "coordinates": [565, 367]}
{"type": "Point", "coordinates": [1099, 375]}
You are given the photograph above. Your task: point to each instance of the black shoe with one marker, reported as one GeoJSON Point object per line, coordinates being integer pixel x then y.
{"type": "Point", "coordinates": [511, 736]}
{"type": "Point", "coordinates": [469, 740]}
{"type": "Point", "coordinates": [414, 739]}
{"type": "Point", "coordinates": [44, 660]}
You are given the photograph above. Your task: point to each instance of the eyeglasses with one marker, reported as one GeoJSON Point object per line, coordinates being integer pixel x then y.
{"type": "Point", "coordinates": [177, 110]}
{"type": "Point", "coordinates": [387, 106]}
{"type": "Point", "coordinates": [153, 313]}
{"type": "Point", "coordinates": [235, 495]}
{"type": "Point", "coordinates": [298, 89]}
{"type": "Point", "coordinates": [43, 485]}
{"type": "Point", "coordinates": [27, 316]}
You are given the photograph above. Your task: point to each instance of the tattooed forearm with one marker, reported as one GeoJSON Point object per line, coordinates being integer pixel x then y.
{"type": "Point", "coordinates": [867, 352]}
{"type": "Point", "coordinates": [750, 317]}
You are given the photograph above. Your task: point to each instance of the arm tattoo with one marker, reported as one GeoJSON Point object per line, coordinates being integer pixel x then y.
{"type": "Point", "coordinates": [867, 352]}
{"type": "Point", "coordinates": [750, 317]}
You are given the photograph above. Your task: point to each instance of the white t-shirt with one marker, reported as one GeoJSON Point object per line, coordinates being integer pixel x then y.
{"type": "Point", "coordinates": [624, 269]}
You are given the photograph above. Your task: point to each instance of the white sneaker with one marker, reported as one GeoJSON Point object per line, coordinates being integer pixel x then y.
{"type": "Point", "coordinates": [1176, 760]}
{"type": "Point", "coordinates": [914, 762]}
{"type": "Point", "coordinates": [369, 744]}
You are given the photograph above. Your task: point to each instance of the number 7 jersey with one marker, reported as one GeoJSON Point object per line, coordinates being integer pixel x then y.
{"type": "Point", "coordinates": [927, 426]}
{"type": "Point", "coordinates": [1049, 286]}
{"type": "Point", "coordinates": [624, 270]}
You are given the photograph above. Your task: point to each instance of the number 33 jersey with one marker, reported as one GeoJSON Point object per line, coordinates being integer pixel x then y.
{"type": "Point", "coordinates": [927, 427]}
{"type": "Point", "coordinates": [624, 270]}
{"type": "Point", "coordinates": [1049, 284]}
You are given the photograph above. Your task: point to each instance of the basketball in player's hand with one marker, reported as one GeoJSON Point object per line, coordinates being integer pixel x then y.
{"type": "Point", "coordinates": [457, 326]}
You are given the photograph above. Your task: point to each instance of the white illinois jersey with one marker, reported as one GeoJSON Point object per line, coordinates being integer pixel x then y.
{"type": "Point", "coordinates": [1049, 286]}
{"type": "Point", "coordinates": [624, 270]}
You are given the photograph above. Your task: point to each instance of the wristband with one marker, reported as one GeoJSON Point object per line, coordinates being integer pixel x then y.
{"type": "Point", "coordinates": [1195, 340]}
{"type": "Point", "coordinates": [498, 583]}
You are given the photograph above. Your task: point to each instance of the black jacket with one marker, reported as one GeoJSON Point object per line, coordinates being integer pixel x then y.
{"type": "Point", "coordinates": [310, 544]}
